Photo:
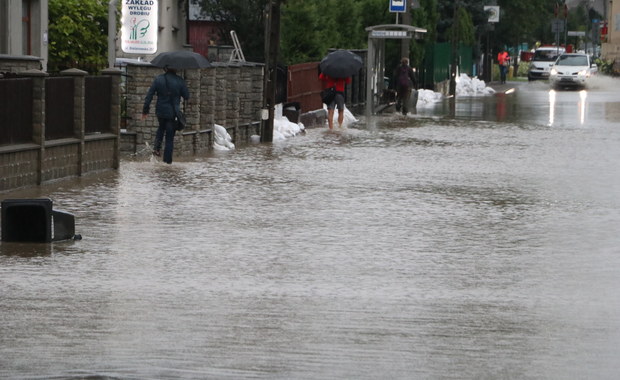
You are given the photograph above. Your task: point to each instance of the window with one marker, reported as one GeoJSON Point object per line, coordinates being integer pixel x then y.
{"type": "Point", "coordinates": [26, 28]}
{"type": "Point", "coordinates": [4, 27]}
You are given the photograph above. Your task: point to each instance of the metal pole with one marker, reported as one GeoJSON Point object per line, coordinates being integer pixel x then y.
{"type": "Point", "coordinates": [272, 42]}
{"type": "Point", "coordinates": [370, 68]}
{"type": "Point", "coordinates": [111, 33]}
{"type": "Point", "coordinates": [452, 89]}
{"type": "Point", "coordinates": [405, 42]}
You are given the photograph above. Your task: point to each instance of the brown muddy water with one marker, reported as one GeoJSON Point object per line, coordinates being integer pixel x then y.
{"type": "Point", "coordinates": [474, 242]}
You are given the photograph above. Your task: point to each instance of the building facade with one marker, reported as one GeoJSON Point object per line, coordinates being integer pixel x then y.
{"type": "Point", "coordinates": [23, 28]}
{"type": "Point", "coordinates": [610, 49]}
{"type": "Point", "coordinates": [171, 25]}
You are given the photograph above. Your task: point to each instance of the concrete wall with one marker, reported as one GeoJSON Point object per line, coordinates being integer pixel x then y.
{"type": "Point", "coordinates": [11, 34]}
{"type": "Point", "coordinates": [16, 64]}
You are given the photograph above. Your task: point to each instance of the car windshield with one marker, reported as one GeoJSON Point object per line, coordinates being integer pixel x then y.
{"type": "Point", "coordinates": [545, 55]}
{"type": "Point", "coordinates": [572, 60]}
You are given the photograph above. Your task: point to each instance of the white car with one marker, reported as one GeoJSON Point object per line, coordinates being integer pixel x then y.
{"type": "Point", "coordinates": [542, 61]}
{"type": "Point", "coordinates": [571, 70]}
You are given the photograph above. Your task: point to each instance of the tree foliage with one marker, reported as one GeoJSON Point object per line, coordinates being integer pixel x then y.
{"type": "Point", "coordinates": [77, 34]}
{"type": "Point", "coordinates": [310, 28]}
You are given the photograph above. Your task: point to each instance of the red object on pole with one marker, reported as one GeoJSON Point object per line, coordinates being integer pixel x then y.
{"type": "Point", "coordinates": [556, 10]}
{"type": "Point", "coordinates": [604, 32]}
{"type": "Point", "coordinates": [565, 11]}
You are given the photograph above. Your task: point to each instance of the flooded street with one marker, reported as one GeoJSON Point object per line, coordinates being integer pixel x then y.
{"type": "Point", "coordinates": [474, 242]}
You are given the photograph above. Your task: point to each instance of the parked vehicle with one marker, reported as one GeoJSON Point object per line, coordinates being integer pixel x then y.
{"type": "Point", "coordinates": [572, 70]}
{"type": "Point", "coordinates": [541, 62]}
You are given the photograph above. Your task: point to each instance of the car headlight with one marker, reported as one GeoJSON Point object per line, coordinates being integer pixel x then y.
{"type": "Point", "coordinates": [583, 73]}
{"type": "Point", "coordinates": [553, 71]}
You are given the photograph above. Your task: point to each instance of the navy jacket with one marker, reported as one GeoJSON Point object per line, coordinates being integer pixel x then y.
{"type": "Point", "coordinates": [167, 86]}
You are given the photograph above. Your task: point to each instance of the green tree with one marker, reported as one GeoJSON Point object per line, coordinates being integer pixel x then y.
{"type": "Point", "coordinates": [524, 21]}
{"type": "Point", "coordinates": [77, 34]}
{"type": "Point", "coordinates": [307, 43]}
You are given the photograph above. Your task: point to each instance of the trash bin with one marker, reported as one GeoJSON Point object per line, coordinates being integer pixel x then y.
{"type": "Point", "coordinates": [291, 111]}
{"type": "Point", "coordinates": [30, 220]}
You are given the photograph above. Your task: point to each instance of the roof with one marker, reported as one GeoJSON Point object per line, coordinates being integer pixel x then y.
{"type": "Point", "coordinates": [406, 28]}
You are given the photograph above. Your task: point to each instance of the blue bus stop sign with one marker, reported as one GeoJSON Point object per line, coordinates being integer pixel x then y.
{"type": "Point", "coordinates": [397, 6]}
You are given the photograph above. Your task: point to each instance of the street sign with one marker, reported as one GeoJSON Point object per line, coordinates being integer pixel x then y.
{"type": "Point", "coordinates": [557, 26]}
{"type": "Point", "coordinates": [389, 34]}
{"type": "Point", "coordinates": [493, 12]}
{"type": "Point", "coordinates": [139, 26]}
{"type": "Point", "coordinates": [398, 6]}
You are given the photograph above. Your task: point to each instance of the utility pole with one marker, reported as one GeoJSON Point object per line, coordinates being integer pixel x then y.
{"type": "Point", "coordinates": [455, 56]}
{"type": "Point", "coordinates": [272, 44]}
{"type": "Point", "coordinates": [405, 42]}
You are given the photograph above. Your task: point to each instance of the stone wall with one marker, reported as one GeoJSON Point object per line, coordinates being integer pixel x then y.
{"type": "Point", "coordinates": [228, 94]}
{"type": "Point", "coordinates": [42, 160]}
{"type": "Point", "coordinates": [19, 166]}
{"type": "Point", "coordinates": [13, 64]}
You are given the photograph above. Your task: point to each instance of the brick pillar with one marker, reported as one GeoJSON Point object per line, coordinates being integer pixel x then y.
{"type": "Point", "coordinates": [207, 102]}
{"type": "Point", "coordinates": [79, 111]}
{"type": "Point", "coordinates": [207, 106]}
{"type": "Point", "coordinates": [221, 92]}
{"type": "Point", "coordinates": [115, 112]}
{"type": "Point", "coordinates": [232, 99]}
{"type": "Point", "coordinates": [38, 114]}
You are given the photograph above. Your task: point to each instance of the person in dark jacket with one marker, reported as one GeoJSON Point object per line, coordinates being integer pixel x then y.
{"type": "Point", "coordinates": [169, 88]}
{"type": "Point", "coordinates": [404, 82]}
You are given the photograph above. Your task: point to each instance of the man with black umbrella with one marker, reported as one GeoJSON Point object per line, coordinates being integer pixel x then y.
{"type": "Point", "coordinates": [169, 88]}
{"type": "Point", "coordinates": [336, 69]}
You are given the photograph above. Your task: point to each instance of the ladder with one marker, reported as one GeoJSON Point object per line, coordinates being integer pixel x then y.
{"type": "Point", "coordinates": [237, 54]}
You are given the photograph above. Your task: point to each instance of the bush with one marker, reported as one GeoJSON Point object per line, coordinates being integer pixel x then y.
{"type": "Point", "coordinates": [605, 66]}
{"type": "Point", "coordinates": [523, 67]}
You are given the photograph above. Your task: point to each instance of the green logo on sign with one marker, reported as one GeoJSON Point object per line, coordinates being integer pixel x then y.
{"type": "Point", "coordinates": [139, 28]}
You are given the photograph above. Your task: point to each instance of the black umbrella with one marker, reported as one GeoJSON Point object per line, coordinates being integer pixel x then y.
{"type": "Point", "coordinates": [180, 59]}
{"type": "Point", "coordinates": [341, 64]}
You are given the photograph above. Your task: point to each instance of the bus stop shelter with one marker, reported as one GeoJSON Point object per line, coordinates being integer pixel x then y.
{"type": "Point", "coordinates": [375, 65]}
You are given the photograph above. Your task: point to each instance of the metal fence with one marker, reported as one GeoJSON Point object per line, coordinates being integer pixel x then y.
{"type": "Point", "coordinates": [304, 87]}
{"type": "Point", "coordinates": [16, 111]}
{"type": "Point", "coordinates": [59, 108]}
{"type": "Point", "coordinates": [437, 62]}
{"type": "Point", "coordinates": [97, 104]}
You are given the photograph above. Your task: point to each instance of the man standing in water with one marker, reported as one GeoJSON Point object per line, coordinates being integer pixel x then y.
{"type": "Point", "coordinates": [339, 84]}
{"type": "Point", "coordinates": [405, 82]}
{"type": "Point", "coordinates": [169, 88]}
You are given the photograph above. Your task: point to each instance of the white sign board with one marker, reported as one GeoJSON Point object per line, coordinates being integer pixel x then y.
{"type": "Point", "coordinates": [493, 12]}
{"type": "Point", "coordinates": [139, 26]}
{"type": "Point", "coordinates": [398, 6]}
{"type": "Point", "coordinates": [389, 34]}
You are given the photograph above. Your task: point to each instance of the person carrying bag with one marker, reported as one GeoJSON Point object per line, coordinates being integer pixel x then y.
{"type": "Point", "coordinates": [170, 88]}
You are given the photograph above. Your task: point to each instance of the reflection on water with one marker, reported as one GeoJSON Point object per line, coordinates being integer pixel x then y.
{"type": "Point", "coordinates": [423, 247]}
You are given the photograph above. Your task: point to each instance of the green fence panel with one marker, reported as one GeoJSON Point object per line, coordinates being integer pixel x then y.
{"type": "Point", "coordinates": [437, 60]}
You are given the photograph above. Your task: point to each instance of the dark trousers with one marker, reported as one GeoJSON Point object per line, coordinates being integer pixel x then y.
{"type": "Point", "coordinates": [166, 126]}
{"type": "Point", "coordinates": [402, 99]}
{"type": "Point", "coordinates": [503, 70]}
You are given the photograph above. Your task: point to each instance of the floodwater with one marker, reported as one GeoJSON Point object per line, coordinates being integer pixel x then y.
{"type": "Point", "coordinates": [480, 241]}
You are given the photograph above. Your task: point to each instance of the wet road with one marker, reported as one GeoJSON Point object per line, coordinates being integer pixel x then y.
{"type": "Point", "coordinates": [474, 242]}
